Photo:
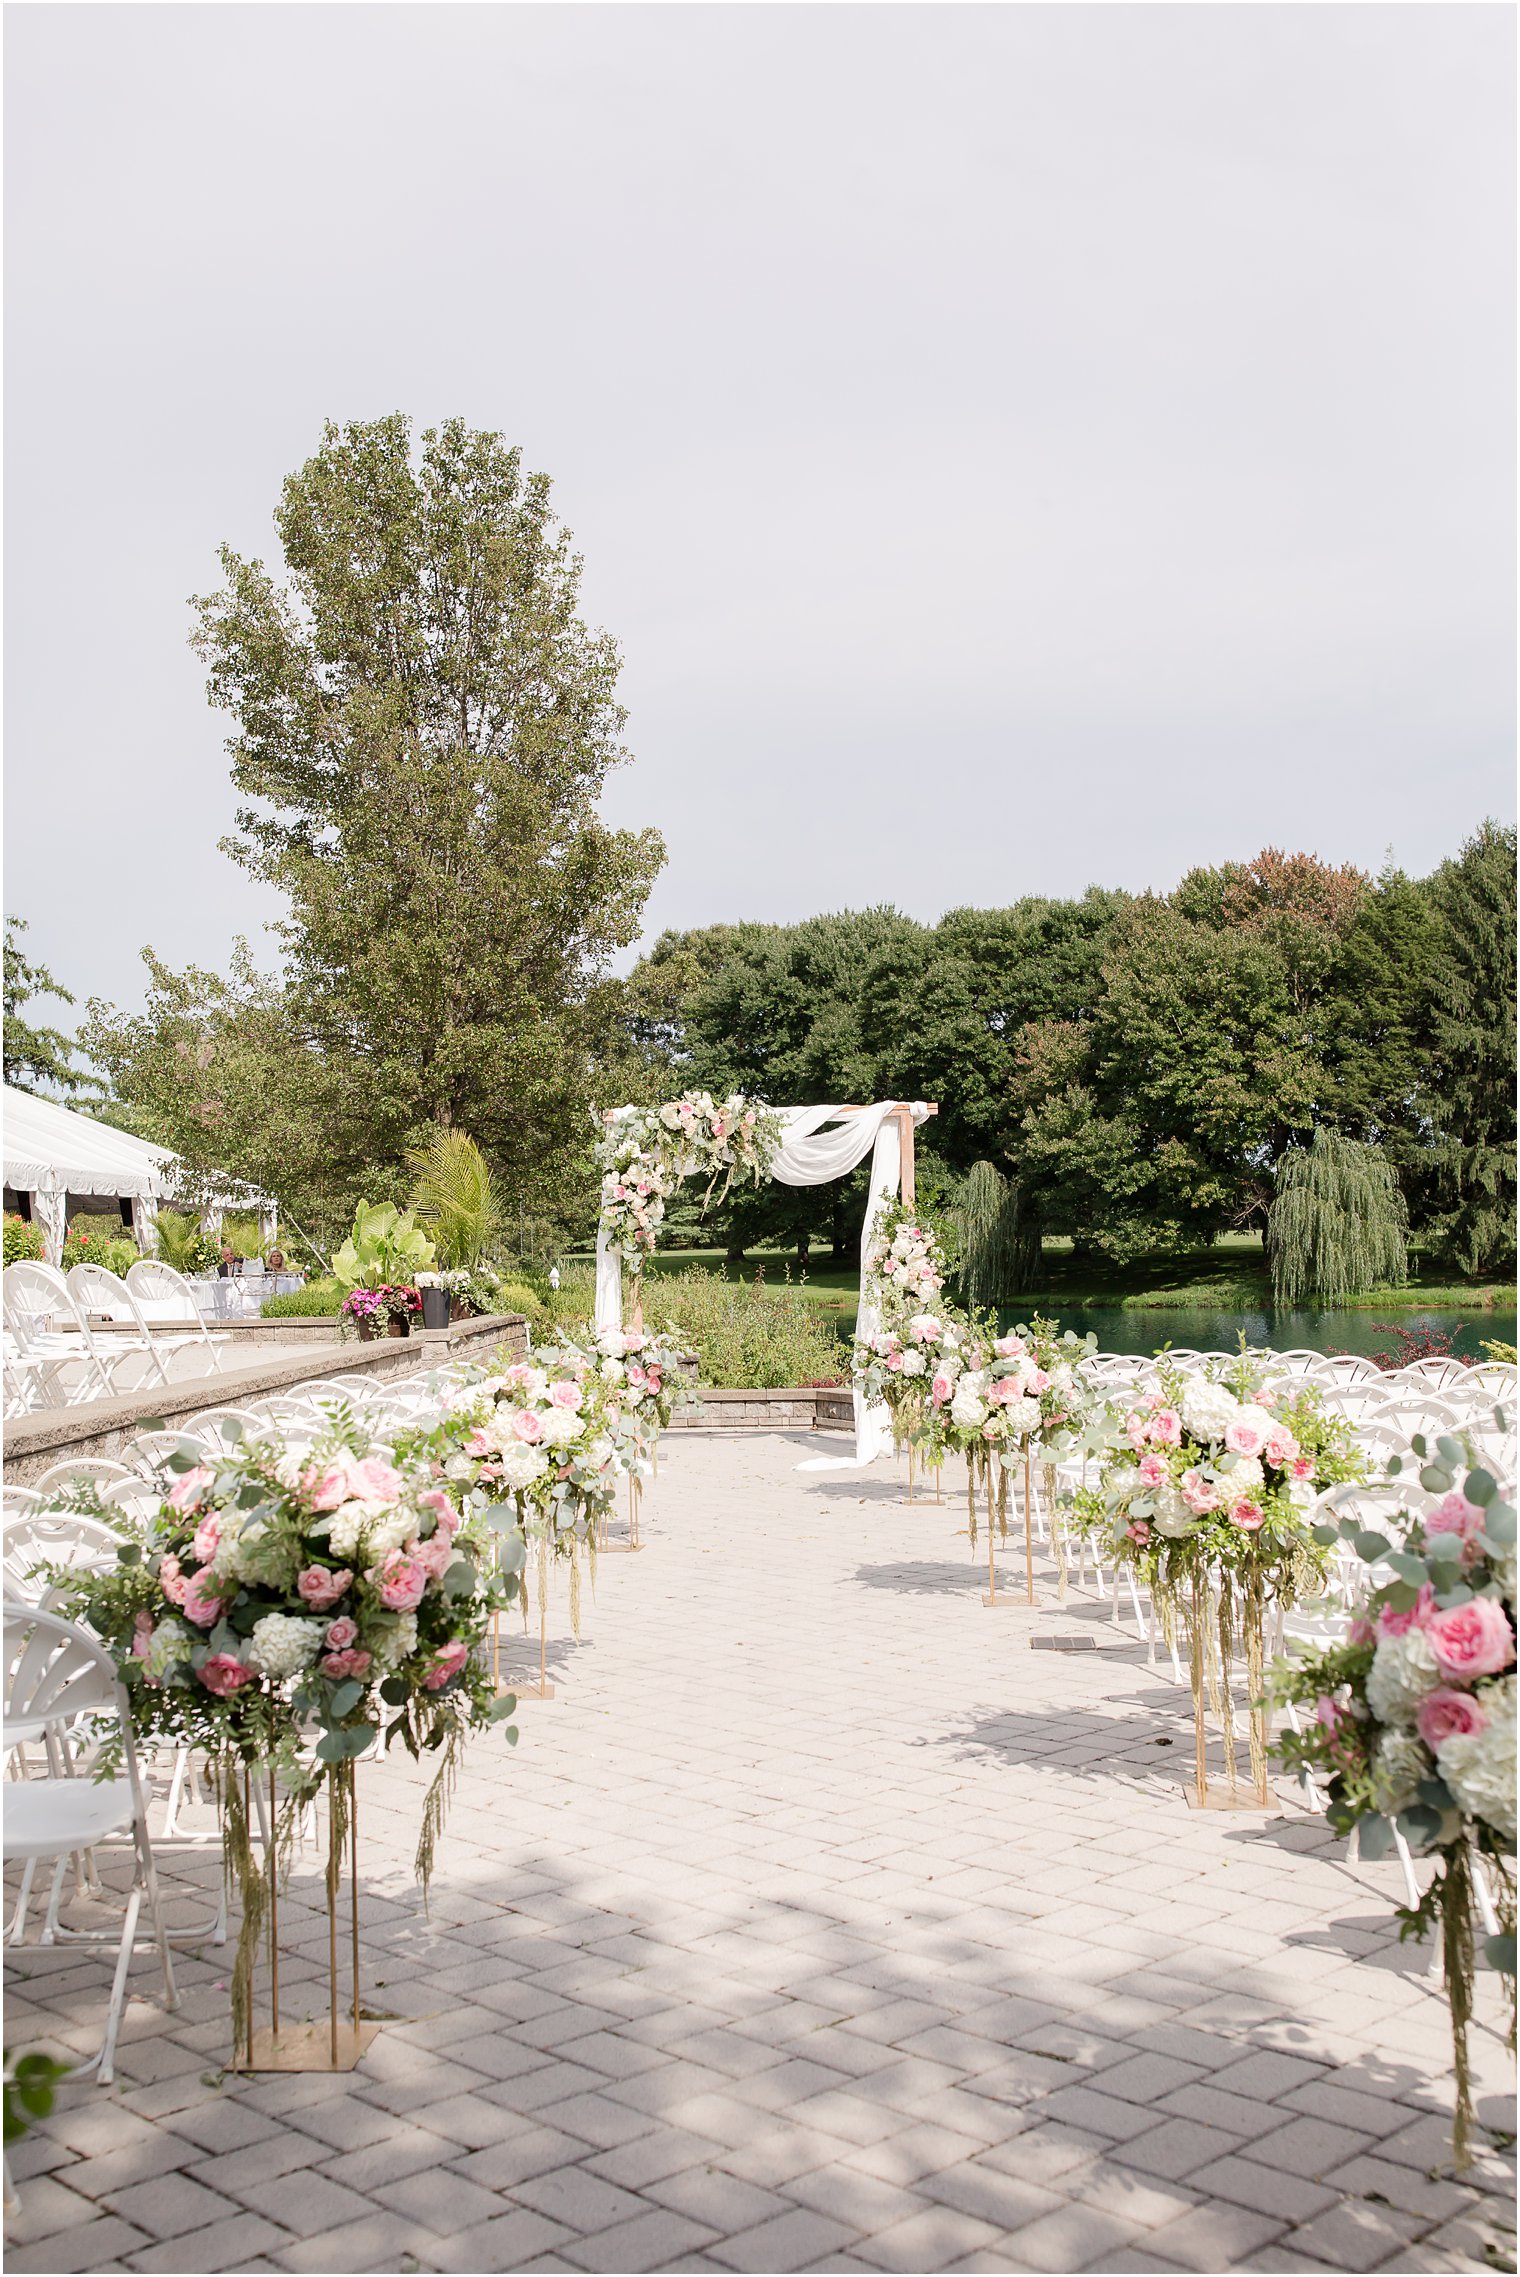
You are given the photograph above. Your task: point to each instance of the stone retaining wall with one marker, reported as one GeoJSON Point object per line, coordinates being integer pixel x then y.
{"type": "Point", "coordinates": [33, 1443]}
{"type": "Point", "coordinates": [784, 1408]}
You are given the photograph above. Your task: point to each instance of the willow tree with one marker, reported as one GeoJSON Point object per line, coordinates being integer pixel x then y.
{"type": "Point", "coordinates": [1338, 1223]}
{"type": "Point", "coordinates": [1000, 1244]}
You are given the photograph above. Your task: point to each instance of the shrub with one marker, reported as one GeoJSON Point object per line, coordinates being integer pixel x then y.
{"type": "Point", "coordinates": [117, 1253]}
{"type": "Point", "coordinates": [315, 1299]}
{"type": "Point", "coordinates": [21, 1240]}
{"type": "Point", "coordinates": [745, 1338]}
{"type": "Point", "coordinates": [182, 1244]}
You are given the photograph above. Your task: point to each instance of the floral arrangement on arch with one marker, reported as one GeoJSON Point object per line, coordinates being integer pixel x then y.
{"type": "Point", "coordinates": [643, 1154]}
{"type": "Point", "coordinates": [282, 1592]}
{"type": "Point", "coordinates": [905, 1261]}
{"type": "Point", "coordinates": [1412, 1719]}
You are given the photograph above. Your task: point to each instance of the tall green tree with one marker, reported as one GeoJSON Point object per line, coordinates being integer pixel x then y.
{"type": "Point", "coordinates": [422, 726]}
{"type": "Point", "coordinates": [36, 1059]}
{"type": "Point", "coordinates": [1473, 1054]}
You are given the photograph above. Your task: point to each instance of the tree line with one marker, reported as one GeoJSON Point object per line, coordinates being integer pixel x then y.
{"type": "Point", "coordinates": [1139, 1066]}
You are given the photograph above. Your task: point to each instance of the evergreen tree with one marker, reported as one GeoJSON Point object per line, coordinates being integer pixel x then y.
{"type": "Point", "coordinates": [1337, 1225]}
{"type": "Point", "coordinates": [1473, 1076]}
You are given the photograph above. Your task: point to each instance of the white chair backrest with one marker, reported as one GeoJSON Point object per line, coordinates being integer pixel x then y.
{"type": "Point", "coordinates": [82, 1470]}
{"type": "Point", "coordinates": [32, 1294]}
{"type": "Point", "coordinates": [54, 1671]}
{"type": "Point", "coordinates": [1347, 1368]}
{"type": "Point", "coordinates": [95, 1290]}
{"type": "Point", "coordinates": [51, 1537]}
{"type": "Point", "coordinates": [20, 1498]}
{"type": "Point", "coordinates": [149, 1451]}
{"type": "Point", "coordinates": [210, 1424]}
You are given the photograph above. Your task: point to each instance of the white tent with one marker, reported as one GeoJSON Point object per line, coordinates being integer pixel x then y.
{"type": "Point", "coordinates": [50, 1153]}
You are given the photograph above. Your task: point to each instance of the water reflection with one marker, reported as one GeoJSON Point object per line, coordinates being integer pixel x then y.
{"type": "Point", "coordinates": [1119, 1329]}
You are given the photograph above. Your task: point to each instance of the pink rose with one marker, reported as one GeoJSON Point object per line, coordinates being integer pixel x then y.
{"type": "Point", "coordinates": [636, 1374]}
{"type": "Point", "coordinates": [207, 1535]}
{"type": "Point", "coordinates": [564, 1395]}
{"type": "Point", "coordinates": [400, 1581]}
{"type": "Point", "coordinates": [894, 1361]}
{"type": "Point", "coordinates": [1166, 1427]}
{"type": "Point", "coordinates": [1246, 1515]}
{"type": "Point", "coordinates": [525, 1425]}
{"type": "Point", "coordinates": [1301, 1466]}
{"type": "Point", "coordinates": [1443, 1713]}
{"type": "Point", "coordinates": [435, 1555]}
{"type": "Point", "coordinates": [939, 1390]}
{"type": "Point", "coordinates": [223, 1675]}
{"type": "Point", "coordinates": [142, 1635]}
{"type": "Point", "coordinates": [1009, 1347]}
{"type": "Point", "coordinates": [1199, 1493]}
{"type": "Point", "coordinates": [1137, 1427]}
{"type": "Point", "coordinates": [171, 1579]}
{"type": "Point", "coordinates": [324, 1490]}
{"type": "Point", "coordinates": [1243, 1437]}
{"type": "Point", "coordinates": [341, 1634]}
{"type": "Point", "coordinates": [449, 1520]}
{"type": "Point", "coordinates": [518, 1375]}
{"type": "Point", "coordinates": [200, 1602]}
{"type": "Point", "coordinates": [478, 1444]}
{"type": "Point", "coordinates": [1474, 1639]}
{"type": "Point", "coordinates": [446, 1663]}
{"type": "Point", "coordinates": [1361, 1631]}
{"type": "Point", "coordinates": [1138, 1531]}
{"type": "Point", "coordinates": [1456, 1515]}
{"type": "Point", "coordinates": [1153, 1471]}
{"type": "Point", "coordinates": [376, 1481]}
{"type": "Point", "coordinates": [1415, 1616]}
{"type": "Point", "coordinates": [654, 1379]}
{"type": "Point", "coordinates": [318, 1588]}
{"type": "Point", "coordinates": [339, 1664]}
{"type": "Point", "coordinates": [1279, 1447]}
{"type": "Point", "coordinates": [189, 1487]}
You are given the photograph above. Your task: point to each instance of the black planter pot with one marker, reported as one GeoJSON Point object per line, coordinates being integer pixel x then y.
{"type": "Point", "coordinates": [435, 1308]}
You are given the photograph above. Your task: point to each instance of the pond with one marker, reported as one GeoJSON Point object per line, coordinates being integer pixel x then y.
{"type": "Point", "coordinates": [1121, 1329]}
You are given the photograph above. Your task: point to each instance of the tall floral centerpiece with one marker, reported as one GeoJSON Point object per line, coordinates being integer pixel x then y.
{"type": "Point", "coordinates": [1411, 1720]}
{"type": "Point", "coordinates": [894, 1365]}
{"type": "Point", "coordinates": [1207, 1488]}
{"type": "Point", "coordinates": [284, 1611]}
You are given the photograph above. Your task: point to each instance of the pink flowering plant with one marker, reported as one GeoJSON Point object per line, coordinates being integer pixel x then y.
{"type": "Point", "coordinates": [1410, 1721]}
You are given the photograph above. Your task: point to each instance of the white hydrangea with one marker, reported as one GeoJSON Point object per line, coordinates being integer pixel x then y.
{"type": "Point", "coordinates": [281, 1645]}
{"type": "Point", "coordinates": [1063, 1378]}
{"type": "Point", "coordinates": [613, 1371]}
{"type": "Point", "coordinates": [968, 1407]}
{"type": "Point", "coordinates": [1208, 1408]}
{"type": "Point", "coordinates": [459, 1466]}
{"type": "Point", "coordinates": [521, 1465]}
{"type": "Point", "coordinates": [561, 1425]}
{"type": "Point", "coordinates": [227, 1559]}
{"type": "Point", "coordinates": [1123, 1482]}
{"type": "Point", "coordinates": [1403, 1670]}
{"type": "Point", "coordinates": [1171, 1515]}
{"type": "Point", "coordinates": [345, 1528]}
{"type": "Point", "coordinates": [1399, 1762]}
{"type": "Point", "coordinates": [1022, 1415]}
{"type": "Point", "coordinates": [913, 1364]}
{"type": "Point", "coordinates": [390, 1525]}
{"type": "Point", "coordinates": [397, 1644]}
{"type": "Point", "coordinates": [1480, 1767]}
{"type": "Point", "coordinates": [1244, 1477]}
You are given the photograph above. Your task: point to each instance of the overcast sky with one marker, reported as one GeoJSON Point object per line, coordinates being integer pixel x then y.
{"type": "Point", "coordinates": [1014, 446]}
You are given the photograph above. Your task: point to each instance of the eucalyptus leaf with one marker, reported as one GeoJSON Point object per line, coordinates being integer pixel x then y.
{"type": "Point", "coordinates": [1499, 1952]}
{"type": "Point", "coordinates": [1435, 1481]}
{"type": "Point", "coordinates": [330, 1748]}
{"type": "Point", "coordinates": [1418, 1444]}
{"type": "Point", "coordinates": [1499, 1522]}
{"type": "Point", "coordinates": [1407, 1566]}
{"type": "Point", "coordinates": [1375, 1836]}
{"type": "Point", "coordinates": [1370, 1545]}
{"type": "Point", "coordinates": [1480, 1487]}
{"type": "Point", "coordinates": [345, 1696]}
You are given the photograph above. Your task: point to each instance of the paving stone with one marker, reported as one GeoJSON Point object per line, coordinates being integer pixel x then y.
{"type": "Point", "coordinates": [92, 2246]}
{"type": "Point", "coordinates": [229, 2244]}
{"type": "Point", "coordinates": [934, 2239]}
{"type": "Point", "coordinates": [791, 2241]}
{"type": "Point", "coordinates": [168, 2205]}
{"type": "Point", "coordinates": [1213, 2237]}
{"type": "Point", "coordinates": [578, 2200]}
{"type": "Point", "coordinates": [376, 2241]}
{"type": "Point", "coordinates": [1265, 2189]}
{"type": "Point", "coordinates": [509, 2242]}
{"type": "Point", "coordinates": [651, 2240]}
{"type": "Point", "coordinates": [1072, 2237]}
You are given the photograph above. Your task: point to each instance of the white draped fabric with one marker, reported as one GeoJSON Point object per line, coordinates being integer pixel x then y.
{"type": "Point", "coordinates": [817, 1144]}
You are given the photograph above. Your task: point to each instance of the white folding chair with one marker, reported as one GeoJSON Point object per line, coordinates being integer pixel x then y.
{"type": "Point", "coordinates": [61, 1680]}
{"type": "Point", "coordinates": [35, 1300]}
{"type": "Point", "coordinates": [81, 1470]}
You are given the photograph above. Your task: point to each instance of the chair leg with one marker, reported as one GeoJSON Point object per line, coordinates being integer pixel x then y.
{"type": "Point", "coordinates": [1406, 1862]}
{"type": "Point", "coordinates": [149, 1873]}
{"type": "Point", "coordinates": [105, 2068]}
{"type": "Point", "coordinates": [1484, 1898]}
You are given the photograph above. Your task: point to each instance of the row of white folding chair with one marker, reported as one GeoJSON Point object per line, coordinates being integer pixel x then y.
{"type": "Point", "coordinates": [49, 1322]}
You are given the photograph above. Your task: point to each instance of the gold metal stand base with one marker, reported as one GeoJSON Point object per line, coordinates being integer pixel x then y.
{"type": "Point", "coordinates": [619, 1549]}
{"type": "Point", "coordinates": [998, 1603]}
{"type": "Point", "coordinates": [307, 2047]}
{"type": "Point", "coordinates": [532, 1691]}
{"type": "Point", "coordinates": [1242, 1800]}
